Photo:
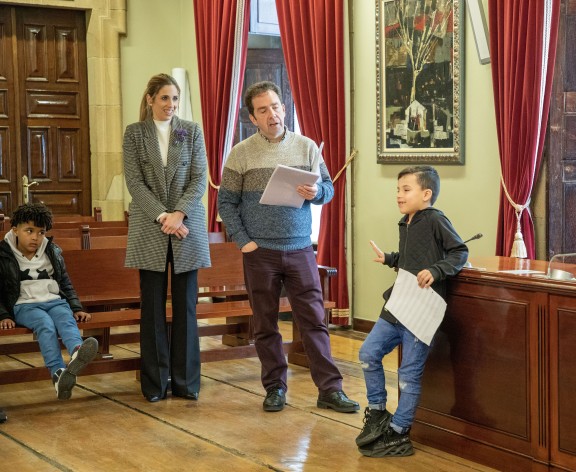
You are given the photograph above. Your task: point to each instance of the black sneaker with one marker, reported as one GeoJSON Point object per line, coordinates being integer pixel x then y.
{"type": "Point", "coordinates": [389, 445]}
{"type": "Point", "coordinates": [82, 355]}
{"type": "Point", "coordinates": [3, 416]}
{"type": "Point", "coordinates": [375, 422]}
{"type": "Point", "coordinates": [275, 399]}
{"type": "Point", "coordinates": [63, 382]}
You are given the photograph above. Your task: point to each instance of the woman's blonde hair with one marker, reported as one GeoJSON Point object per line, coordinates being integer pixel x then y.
{"type": "Point", "coordinates": [154, 85]}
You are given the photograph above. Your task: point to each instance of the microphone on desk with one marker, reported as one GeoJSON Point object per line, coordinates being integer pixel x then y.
{"type": "Point", "coordinates": [476, 236]}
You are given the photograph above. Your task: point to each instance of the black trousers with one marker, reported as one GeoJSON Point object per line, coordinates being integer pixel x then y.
{"type": "Point", "coordinates": [161, 357]}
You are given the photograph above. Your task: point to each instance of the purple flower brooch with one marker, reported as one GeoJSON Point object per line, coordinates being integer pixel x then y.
{"type": "Point", "coordinates": [180, 135]}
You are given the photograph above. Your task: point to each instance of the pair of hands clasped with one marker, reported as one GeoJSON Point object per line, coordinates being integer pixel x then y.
{"type": "Point", "coordinates": [172, 224]}
{"type": "Point", "coordinates": [424, 277]}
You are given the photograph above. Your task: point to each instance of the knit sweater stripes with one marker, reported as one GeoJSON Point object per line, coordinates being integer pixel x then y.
{"type": "Point", "coordinates": [245, 176]}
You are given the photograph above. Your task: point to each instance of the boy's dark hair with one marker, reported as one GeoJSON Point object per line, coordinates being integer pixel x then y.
{"type": "Point", "coordinates": [38, 213]}
{"type": "Point", "coordinates": [427, 177]}
{"type": "Point", "coordinates": [257, 89]}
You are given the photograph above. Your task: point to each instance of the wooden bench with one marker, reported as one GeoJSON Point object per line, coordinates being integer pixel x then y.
{"type": "Point", "coordinates": [111, 293]}
{"type": "Point", "coordinates": [90, 237]}
{"type": "Point", "coordinates": [92, 224]}
{"type": "Point", "coordinates": [61, 219]}
{"type": "Point", "coordinates": [98, 236]}
{"type": "Point", "coordinates": [79, 219]}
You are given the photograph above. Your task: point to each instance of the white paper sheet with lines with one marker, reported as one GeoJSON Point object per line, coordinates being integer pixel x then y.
{"type": "Point", "coordinates": [421, 310]}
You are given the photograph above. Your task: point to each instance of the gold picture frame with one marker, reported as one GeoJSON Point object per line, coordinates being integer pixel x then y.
{"type": "Point", "coordinates": [419, 81]}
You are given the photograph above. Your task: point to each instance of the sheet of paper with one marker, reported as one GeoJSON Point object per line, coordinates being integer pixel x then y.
{"type": "Point", "coordinates": [421, 310]}
{"type": "Point", "coordinates": [521, 271]}
{"type": "Point", "coordinates": [316, 161]}
{"type": "Point", "coordinates": [281, 188]}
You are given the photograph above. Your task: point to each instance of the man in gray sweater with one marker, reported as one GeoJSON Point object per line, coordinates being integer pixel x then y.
{"type": "Point", "coordinates": [277, 248]}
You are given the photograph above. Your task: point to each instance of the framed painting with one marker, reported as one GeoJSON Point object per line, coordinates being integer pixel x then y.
{"type": "Point", "coordinates": [419, 81]}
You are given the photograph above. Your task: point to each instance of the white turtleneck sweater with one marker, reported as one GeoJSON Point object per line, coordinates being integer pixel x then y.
{"type": "Point", "coordinates": [163, 132]}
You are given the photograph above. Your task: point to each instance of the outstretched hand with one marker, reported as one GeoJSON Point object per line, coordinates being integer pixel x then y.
{"type": "Point", "coordinates": [378, 251]}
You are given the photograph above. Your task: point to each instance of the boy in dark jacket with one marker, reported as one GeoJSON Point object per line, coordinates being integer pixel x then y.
{"type": "Point", "coordinates": [36, 292]}
{"type": "Point", "coordinates": [430, 249]}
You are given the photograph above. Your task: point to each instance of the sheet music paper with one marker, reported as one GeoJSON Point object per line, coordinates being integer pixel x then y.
{"type": "Point", "coordinates": [421, 310]}
{"type": "Point", "coordinates": [316, 161]}
{"type": "Point", "coordinates": [281, 188]}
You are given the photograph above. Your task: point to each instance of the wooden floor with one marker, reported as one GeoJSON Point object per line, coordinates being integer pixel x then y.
{"type": "Point", "coordinates": [108, 425]}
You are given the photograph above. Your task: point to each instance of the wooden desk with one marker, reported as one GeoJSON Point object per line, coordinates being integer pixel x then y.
{"type": "Point", "coordinates": [499, 386]}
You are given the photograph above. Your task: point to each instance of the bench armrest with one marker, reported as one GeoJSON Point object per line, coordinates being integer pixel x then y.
{"type": "Point", "coordinates": [326, 273]}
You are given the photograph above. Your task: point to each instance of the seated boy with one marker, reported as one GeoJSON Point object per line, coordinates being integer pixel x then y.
{"type": "Point", "coordinates": [36, 292]}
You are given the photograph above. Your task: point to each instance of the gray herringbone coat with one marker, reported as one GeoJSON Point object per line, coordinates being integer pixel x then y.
{"type": "Point", "coordinates": [155, 189]}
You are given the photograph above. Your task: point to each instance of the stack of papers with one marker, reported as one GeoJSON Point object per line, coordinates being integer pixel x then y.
{"type": "Point", "coordinates": [281, 188]}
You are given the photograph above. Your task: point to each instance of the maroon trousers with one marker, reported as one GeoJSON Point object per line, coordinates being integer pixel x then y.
{"type": "Point", "coordinates": [265, 271]}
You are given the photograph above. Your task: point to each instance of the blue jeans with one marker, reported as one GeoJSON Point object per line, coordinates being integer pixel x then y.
{"type": "Point", "coordinates": [49, 320]}
{"type": "Point", "coordinates": [383, 338]}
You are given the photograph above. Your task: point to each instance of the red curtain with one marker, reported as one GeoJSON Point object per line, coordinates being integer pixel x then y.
{"type": "Point", "coordinates": [518, 45]}
{"type": "Point", "coordinates": [312, 33]}
{"type": "Point", "coordinates": [216, 36]}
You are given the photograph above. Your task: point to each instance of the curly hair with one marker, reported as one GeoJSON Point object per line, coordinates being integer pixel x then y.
{"type": "Point", "coordinates": [38, 213]}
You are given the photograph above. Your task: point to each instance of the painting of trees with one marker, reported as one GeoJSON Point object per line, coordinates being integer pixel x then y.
{"type": "Point", "coordinates": [418, 57]}
{"type": "Point", "coordinates": [421, 24]}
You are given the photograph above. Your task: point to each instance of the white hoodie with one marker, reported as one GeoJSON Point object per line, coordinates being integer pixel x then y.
{"type": "Point", "coordinates": [36, 282]}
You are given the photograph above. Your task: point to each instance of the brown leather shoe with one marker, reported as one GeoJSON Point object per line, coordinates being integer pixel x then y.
{"type": "Point", "coordinates": [338, 401]}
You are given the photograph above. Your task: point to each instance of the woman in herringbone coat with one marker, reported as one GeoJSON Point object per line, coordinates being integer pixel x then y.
{"type": "Point", "coordinates": [165, 169]}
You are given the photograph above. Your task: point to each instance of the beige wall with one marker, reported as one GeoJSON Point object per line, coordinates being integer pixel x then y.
{"type": "Point", "coordinates": [469, 193]}
{"type": "Point", "coordinates": [160, 38]}
{"type": "Point", "coordinates": [157, 39]}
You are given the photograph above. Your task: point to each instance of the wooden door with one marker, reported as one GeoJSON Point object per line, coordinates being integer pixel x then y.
{"type": "Point", "coordinates": [44, 109]}
{"type": "Point", "coordinates": [561, 183]}
{"type": "Point", "coordinates": [53, 99]}
{"type": "Point", "coordinates": [8, 122]}
{"type": "Point", "coordinates": [264, 64]}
